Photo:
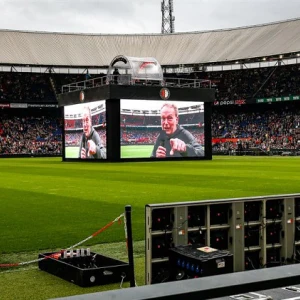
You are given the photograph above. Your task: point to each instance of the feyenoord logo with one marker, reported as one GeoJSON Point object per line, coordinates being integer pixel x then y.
{"type": "Point", "coordinates": [81, 96]}
{"type": "Point", "coordinates": [164, 93]}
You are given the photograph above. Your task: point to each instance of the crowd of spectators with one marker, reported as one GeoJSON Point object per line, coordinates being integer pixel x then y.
{"type": "Point", "coordinates": [278, 81]}
{"type": "Point", "coordinates": [25, 87]}
{"type": "Point", "coordinates": [73, 138]}
{"type": "Point", "coordinates": [30, 135]}
{"type": "Point", "coordinates": [256, 83]}
{"type": "Point", "coordinates": [149, 135]}
{"type": "Point", "coordinates": [277, 127]}
{"type": "Point", "coordinates": [31, 87]}
{"type": "Point", "coordinates": [271, 127]}
{"type": "Point", "coordinates": [283, 80]}
{"type": "Point", "coordinates": [138, 136]}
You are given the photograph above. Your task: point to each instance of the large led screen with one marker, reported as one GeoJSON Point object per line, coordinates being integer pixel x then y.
{"type": "Point", "coordinates": [159, 129]}
{"type": "Point", "coordinates": [85, 130]}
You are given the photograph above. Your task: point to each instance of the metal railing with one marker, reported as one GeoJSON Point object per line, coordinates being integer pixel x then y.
{"type": "Point", "coordinates": [128, 80]}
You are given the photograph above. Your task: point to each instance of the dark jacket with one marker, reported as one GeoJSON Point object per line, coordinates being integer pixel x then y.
{"type": "Point", "coordinates": [193, 148]}
{"type": "Point", "coordinates": [100, 149]}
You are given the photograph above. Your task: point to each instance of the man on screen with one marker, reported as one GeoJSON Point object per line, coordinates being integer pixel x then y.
{"type": "Point", "coordinates": [174, 140]}
{"type": "Point", "coordinates": [91, 145]}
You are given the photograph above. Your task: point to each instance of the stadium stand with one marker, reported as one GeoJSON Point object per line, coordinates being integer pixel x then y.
{"type": "Point", "coordinates": [19, 87]}
{"type": "Point", "coordinates": [38, 134]}
{"type": "Point", "coordinates": [36, 73]}
{"type": "Point", "coordinates": [271, 129]}
{"type": "Point", "coordinates": [230, 85]}
{"type": "Point", "coordinates": [24, 87]}
{"type": "Point", "coordinates": [260, 82]}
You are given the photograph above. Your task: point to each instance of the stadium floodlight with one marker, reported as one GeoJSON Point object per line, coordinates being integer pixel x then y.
{"type": "Point", "coordinates": [168, 20]}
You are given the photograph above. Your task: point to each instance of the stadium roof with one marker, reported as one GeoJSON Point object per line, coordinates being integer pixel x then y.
{"type": "Point", "coordinates": [91, 50]}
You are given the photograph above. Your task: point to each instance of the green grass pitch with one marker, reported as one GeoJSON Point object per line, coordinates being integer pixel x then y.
{"type": "Point", "coordinates": [130, 151]}
{"type": "Point", "coordinates": [72, 152]}
{"type": "Point", "coordinates": [133, 151]}
{"type": "Point", "coordinates": [49, 204]}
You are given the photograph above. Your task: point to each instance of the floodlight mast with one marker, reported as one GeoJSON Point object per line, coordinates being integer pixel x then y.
{"type": "Point", "coordinates": [168, 20]}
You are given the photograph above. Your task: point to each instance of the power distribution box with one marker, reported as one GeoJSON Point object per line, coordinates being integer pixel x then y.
{"type": "Point", "coordinates": [193, 261]}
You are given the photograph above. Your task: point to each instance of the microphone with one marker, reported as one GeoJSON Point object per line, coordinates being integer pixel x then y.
{"type": "Point", "coordinates": [162, 143]}
{"type": "Point", "coordinates": [84, 141]}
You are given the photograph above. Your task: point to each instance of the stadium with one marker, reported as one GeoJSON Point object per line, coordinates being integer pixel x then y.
{"type": "Point", "coordinates": [48, 205]}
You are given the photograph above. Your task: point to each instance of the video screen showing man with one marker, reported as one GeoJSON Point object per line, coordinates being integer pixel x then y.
{"type": "Point", "coordinates": [174, 140]}
{"type": "Point", "coordinates": [91, 146]}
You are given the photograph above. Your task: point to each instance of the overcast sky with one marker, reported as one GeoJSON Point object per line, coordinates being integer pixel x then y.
{"type": "Point", "coordinates": [140, 16]}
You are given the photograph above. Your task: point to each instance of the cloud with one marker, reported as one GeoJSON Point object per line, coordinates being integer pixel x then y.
{"type": "Point", "coordinates": [220, 14]}
{"type": "Point", "coordinates": [140, 16]}
{"type": "Point", "coordinates": [88, 16]}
